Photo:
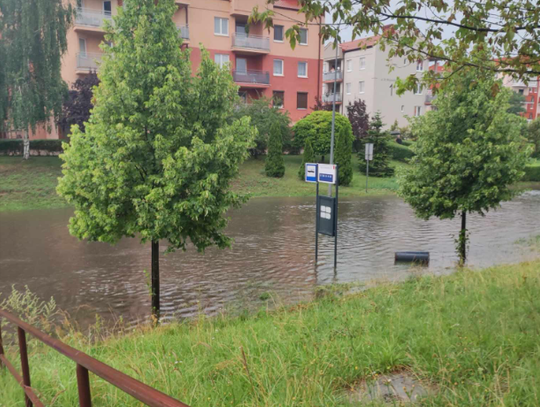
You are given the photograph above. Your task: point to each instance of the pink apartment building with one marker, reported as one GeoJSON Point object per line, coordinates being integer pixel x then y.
{"type": "Point", "coordinates": [262, 62]}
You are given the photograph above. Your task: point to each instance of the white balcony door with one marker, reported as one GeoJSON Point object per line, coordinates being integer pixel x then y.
{"type": "Point", "coordinates": [107, 8]}
{"type": "Point", "coordinates": [241, 65]}
{"type": "Point", "coordinates": [82, 47]}
{"type": "Point", "coordinates": [241, 29]}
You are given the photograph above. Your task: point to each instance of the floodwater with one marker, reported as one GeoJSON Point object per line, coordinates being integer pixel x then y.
{"type": "Point", "coordinates": [273, 253]}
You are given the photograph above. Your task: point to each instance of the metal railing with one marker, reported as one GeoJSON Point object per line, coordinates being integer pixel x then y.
{"type": "Point", "coordinates": [84, 364]}
{"type": "Point", "coordinates": [249, 76]}
{"type": "Point", "coordinates": [183, 31]}
{"type": "Point", "coordinates": [88, 60]}
{"type": "Point", "coordinates": [329, 97]}
{"type": "Point", "coordinates": [248, 41]}
{"type": "Point", "coordinates": [91, 18]}
{"type": "Point", "coordinates": [329, 76]}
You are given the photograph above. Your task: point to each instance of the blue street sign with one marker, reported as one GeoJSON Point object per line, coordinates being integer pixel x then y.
{"type": "Point", "coordinates": [311, 172]}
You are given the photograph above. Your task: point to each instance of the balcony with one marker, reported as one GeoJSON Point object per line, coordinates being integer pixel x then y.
{"type": "Point", "coordinates": [91, 18]}
{"type": "Point", "coordinates": [252, 79]}
{"type": "Point", "coordinates": [250, 43]}
{"type": "Point", "coordinates": [329, 76]}
{"type": "Point", "coordinates": [88, 61]}
{"type": "Point", "coordinates": [183, 31]}
{"type": "Point", "coordinates": [329, 98]}
{"type": "Point", "coordinates": [429, 98]}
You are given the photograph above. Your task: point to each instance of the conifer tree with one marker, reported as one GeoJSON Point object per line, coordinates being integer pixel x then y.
{"type": "Point", "coordinates": [307, 157]}
{"type": "Point", "coordinates": [274, 165]}
{"type": "Point", "coordinates": [344, 155]}
{"type": "Point", "coordinates": [379, 166]}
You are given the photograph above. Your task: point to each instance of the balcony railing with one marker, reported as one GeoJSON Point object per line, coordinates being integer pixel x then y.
{"type": "Point", "coordinates": [251, 42]}
{"type": "Point", "coordinates": [329, 76]}
{"type": "Point", "coordinates": [256, 77]}
{"type": "Point", "coordinates": [429, 98]}
{"type": "Point", "coordinates": [329, 97]}
{"type": "Point", "coordinates": [91, 18]}
{"type": "Point", "coordinates": [88, 60]}
{"type": "Point", "coordinates": [183, 31]}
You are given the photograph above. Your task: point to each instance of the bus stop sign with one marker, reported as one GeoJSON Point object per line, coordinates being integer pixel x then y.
{"type": "Point", "coordinates": [326, 216]}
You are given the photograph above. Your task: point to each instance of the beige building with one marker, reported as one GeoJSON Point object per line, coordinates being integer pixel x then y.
{"type": "Point", "coordinates": [363, 71]}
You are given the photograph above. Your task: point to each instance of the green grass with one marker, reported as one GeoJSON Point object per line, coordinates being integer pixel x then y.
{"type": "Point", "coordinates": [29, 184]}
{"type": "Point", "coordinates": [470, 336]}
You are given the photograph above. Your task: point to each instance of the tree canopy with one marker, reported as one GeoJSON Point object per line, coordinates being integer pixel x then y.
{"type": "Point", "coordinates": [77, 107]}
{"type": "Point", "coordinates": [359, 118]}
{"type": "Point", "coordinates": [274, 165]}
{"type": "Point", "coordinates": [380, 165]}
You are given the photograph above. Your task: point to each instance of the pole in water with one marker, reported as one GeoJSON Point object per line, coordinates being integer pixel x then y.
{"type": "Point", "coordinates": [317, 226]}
{"type": "Point", "coordinates": [367, 174]}
{"type": "Point", "coordinates": [336, 218]}
{"type": "Point", "coordinates": [333, 113]}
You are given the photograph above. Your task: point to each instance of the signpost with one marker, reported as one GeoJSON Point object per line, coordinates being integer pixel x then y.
{"type": "Point", "coordinates": [369, 157]}
{"type": "Point", "coordinates": [326, 212]}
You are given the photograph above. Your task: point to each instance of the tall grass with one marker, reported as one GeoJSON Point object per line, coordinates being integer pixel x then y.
{"type": "Point", "coordinates": [471, 336]}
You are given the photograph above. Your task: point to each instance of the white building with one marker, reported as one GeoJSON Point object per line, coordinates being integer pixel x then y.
{"type": "Point", "coordinates": [364, 73]}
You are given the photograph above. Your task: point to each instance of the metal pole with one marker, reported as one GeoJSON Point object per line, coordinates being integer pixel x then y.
{"type": "Point", "coordinates": [336, 218]}
{"type": "Point", "coordinates": [333, 114]}
{"type": "Point", "coordinates": [317, 209]}
{"type": "Point", "coordinates": [83, 384]}
{"type": "Point", "coordinates": [367, 174]}
{"type": "Point", "coordinates": [23, 350]}
{"type": "Point", "coordinates": [1, 345]}
{"type": "Point", "coordinates": [156, 311]}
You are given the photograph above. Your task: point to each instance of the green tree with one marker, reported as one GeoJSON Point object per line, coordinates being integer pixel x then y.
{"type": "Point", "coordinates": [516, 102]}
{"type": "Point", "coordinates": [318, 128]}
{"type": "Point", "coordinates": [263, 115]}
{"type": "Point", "coordinates": [157, 156]}
{"type": "Point", "coordinates": [534, 136]}
{"type": "Point", "coordinates": [469, 151]}
{"type": "Point", "coordinates": [274, 166]}
{"type": "Point", "coordinates": [380, 165]}
{"type": "Point", "coordinates": [344, 145]}
{"type": "Point", "coordinates": [32, 42]}
{"type": "Point", "coordinates": [307, 157]}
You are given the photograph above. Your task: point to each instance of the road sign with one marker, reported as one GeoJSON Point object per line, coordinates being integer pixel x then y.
{"type": "Point", "coordinates": [327, 173]}
{"type": "Point", "coordinates": [369, 152]}
{"type": "Point", "coordinates": [327, 216]}
{"type": "Point", "coordinates": [311, 172]}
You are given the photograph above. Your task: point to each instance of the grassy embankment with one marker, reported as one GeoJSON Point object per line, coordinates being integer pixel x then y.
{"type": "Point", "coordinates": [32, 184]}
{"type": "Point", "coordinates": [471, 337]}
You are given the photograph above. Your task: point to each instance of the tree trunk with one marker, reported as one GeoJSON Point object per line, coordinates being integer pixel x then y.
{"type": "Point", "coordinates": [155, 281]}
{"type": "Point", "coordinates": [462, 245]}
{"type": "Point", "coordinates": [26, 146]}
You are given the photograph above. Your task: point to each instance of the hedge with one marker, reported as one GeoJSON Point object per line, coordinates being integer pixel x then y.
{"type": "Point", "coordinates": [400, 152]}
{"type": "Point", "coordinates": [532, 173]}
{"type": "Point", "coordinates": [15, 146]}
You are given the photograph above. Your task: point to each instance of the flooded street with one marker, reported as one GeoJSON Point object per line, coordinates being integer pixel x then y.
{"type": "Point", "coordinates": [273, 253]}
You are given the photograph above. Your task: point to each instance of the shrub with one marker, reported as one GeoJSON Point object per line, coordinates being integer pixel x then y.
{"type": "Point", "coordinates": [307, 157]}
{"type": "Point", "coordinates": [11, 147]}
{"type": "Point", "coordinates": [532, 173]}
{"type": "Point", "coordinates": [534, 137]}
{"type": "Point", "coordinates": [381, 140]}
{"type": "Point", "coordinates": [400, 152]}
{"type": "Point", "coordinates": [344, 144]}
{"type": "Point", "coordinates": [274, 166]}
{"type": "Point", "coordinates": [15, 146]}
{"type": "Point", "coordinates": [53, 146]}
{"type": "Point", "coordinates": [318, 128]}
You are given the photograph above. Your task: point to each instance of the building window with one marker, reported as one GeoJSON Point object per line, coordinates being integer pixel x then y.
{"type": "Point", "coordinates": [302, 69]}
{"type": "Point", "coordinates": [221, 26]}
{"type": "Point", "coordinates": [402, 108]}
{"type": "Point", "coordinates": [348, 88]}
{"type": "Point", "coordinates": [301, 100]}
{"type": "Point", "coordinates": [303, 36]}
{"type": "Point", "coordinates": [243, 96]}
{"type": "Point", "coordinates": [362, 63]}
{"type": "Point", "coordinates": [241, 65]}
{"type": "Point", "coordinates": [420, 66]}
{"type": "Point", "coordinates": [349, 65]}
{"type": "Point", "coordinates": [221, 59]}
{"type": "Point", "coordinates": [418, 89]}
{"type": "Point", "coordinates": [278, 96]}
{"type": "Point", "coordinates": [520, 91]}
{"type": "Point", "coordinates": [82, 46]}
{"type": "Point", "coordinates": [107, 8]}
{"type": "Point", "coordinates": [417, 110]}
{"type": "Point", "coordinates": [361, 87]}
{"type": "Point", "coordinates": [278, 67]}
{"type": "Point", "coordinates": [278, 33]}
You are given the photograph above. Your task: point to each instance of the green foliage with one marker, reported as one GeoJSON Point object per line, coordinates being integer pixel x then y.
{"type": "Point", "coordinates": [534, 137]}
{"type": "Point", "coordinates": [317, 127]}
{"type": "Point", "coordinates": [274, 166]}
{"type": "Point", "coordinates": [400, 152]}
{"type": "Point", "coordinates": [307, 157]}
{"type": "Point", "coordinates": [32, 42]}
{"type": "Point", "coordinates": [357, 115]}
{"type": "Point", "coordinates": [263, 115]}
{"type": "Point", "coordinates": [344, 142]}
{"type": "Point", "coordinates": [469, 150]}
{"type": "Point", "coordinates": [532, 172]}
{"type": "Point", "coordinates": [516, 102]}
{"type": "Point", "coordinates": [380, 165]}
{"type": "Point", "coordinates": [15, 146]}
{"type": "Point", "coordinates": [157, 156]}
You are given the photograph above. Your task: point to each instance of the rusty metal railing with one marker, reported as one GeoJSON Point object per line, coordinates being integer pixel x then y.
{"type": "Point", "coordinates": [140, 391]}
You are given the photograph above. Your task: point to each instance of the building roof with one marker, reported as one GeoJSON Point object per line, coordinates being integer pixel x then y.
{"type": "Point", "coordinates": [365, 42]}
{"type": "Point", "coordinates": [290, 4]}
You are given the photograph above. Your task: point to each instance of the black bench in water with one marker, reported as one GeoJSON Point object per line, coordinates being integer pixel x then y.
{"type": "Point", "coordinates": [412, 257]}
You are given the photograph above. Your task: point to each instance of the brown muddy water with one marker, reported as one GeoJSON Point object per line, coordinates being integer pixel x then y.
{"type": "Point", "coordinates": [273, 253]}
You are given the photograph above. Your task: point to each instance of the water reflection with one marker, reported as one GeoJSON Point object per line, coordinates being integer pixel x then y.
{"type": "Point", "coordinates": [273, 252]}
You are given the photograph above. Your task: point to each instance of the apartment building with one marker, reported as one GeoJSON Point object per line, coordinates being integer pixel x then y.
{"type": "Point", "coordinates": [262, 62]}
{"type": "Point", "coordinates": [529, 90]}
{"type": "Point", "coordinates": [363, 72]}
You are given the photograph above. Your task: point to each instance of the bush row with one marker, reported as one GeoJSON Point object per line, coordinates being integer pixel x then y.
{"type": "Point", "coordinates": [532, 173]}
{"type": "Point", "coordinates": [400, 152]}
{"type": "Point", "coordinates": [15, 146]}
